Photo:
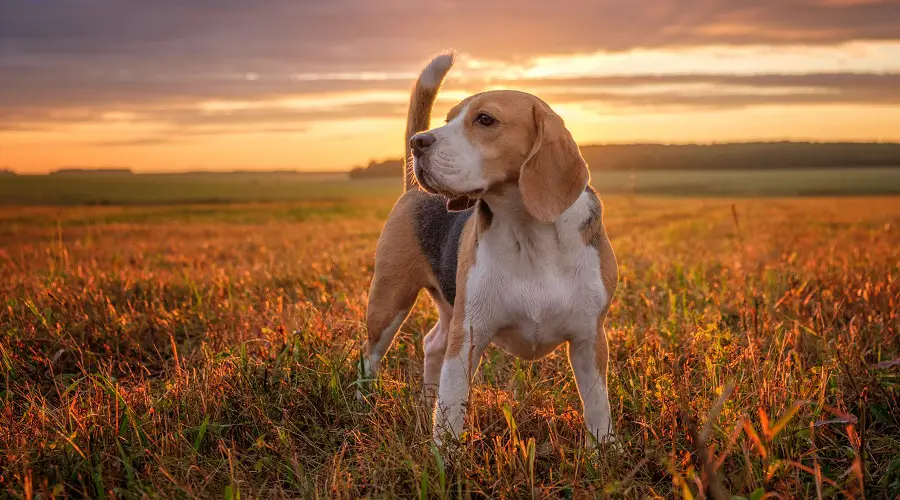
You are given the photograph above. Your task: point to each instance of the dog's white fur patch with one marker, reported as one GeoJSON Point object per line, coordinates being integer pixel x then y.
{"type": "Point", "coordinates": [539, 280]}
{"type": "Point", "coordinates": [453, 162]}
{"type": "Point", "coordinates": [433, 74]}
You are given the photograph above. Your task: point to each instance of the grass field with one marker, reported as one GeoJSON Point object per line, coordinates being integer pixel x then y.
{"type": "Point", "coordinates": [210, 351]}
{"type": "Point", "coordinates": [86, 189]}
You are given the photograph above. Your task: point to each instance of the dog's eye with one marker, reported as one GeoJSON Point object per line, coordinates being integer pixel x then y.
{"type": "Point", "coordinates": [485, 119]}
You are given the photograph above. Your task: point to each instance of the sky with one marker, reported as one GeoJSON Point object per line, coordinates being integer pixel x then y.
{"type": "Point", "coordinates": [173, 85]}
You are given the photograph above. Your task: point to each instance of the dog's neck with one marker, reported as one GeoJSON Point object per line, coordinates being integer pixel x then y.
{"type": "Point", "coordinates": [506, 205]}
{"type": "Point", "coordinates": [505, 202]}
{"type": "Point", "coordinates": [509, 216]}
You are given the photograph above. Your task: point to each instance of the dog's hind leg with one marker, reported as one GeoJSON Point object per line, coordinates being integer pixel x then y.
{"type": "Point", "coordinates": [389, 304]}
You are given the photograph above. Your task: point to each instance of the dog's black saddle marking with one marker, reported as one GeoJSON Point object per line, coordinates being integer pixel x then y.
{"type": "Point", "coordinates": [439, 232]}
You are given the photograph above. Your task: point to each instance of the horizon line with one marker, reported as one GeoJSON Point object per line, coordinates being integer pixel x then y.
{"type": "Point", "coordinates": [130, 170]}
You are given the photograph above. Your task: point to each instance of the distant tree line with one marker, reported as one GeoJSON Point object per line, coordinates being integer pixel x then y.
{"type": "Point", "coordinates": [740, 156]}
{"type": "Point", "coordinates": [92, 171]}
{"type": "Point", "coordinates": [385, 168]}
{"type": "Point", "coordinates": [730, 156]}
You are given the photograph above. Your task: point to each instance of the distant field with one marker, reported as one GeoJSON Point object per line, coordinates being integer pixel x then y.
{"type": "Point", "coordinates": [79, 189]}
{"type": "Point", "coordinates": [210, 351]}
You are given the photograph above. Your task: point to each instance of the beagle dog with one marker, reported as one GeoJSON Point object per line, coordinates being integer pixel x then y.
{"type": "Point", "coordinates": [507, 237]}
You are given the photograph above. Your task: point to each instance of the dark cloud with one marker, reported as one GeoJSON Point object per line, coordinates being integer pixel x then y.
{"type": "Point", "coordinates": [167, 136]}
{"type": "Point", "coordinates": [719, 91]}
{"type": "Point", "coordinates": [725, 91]}
{"type": "Point", "coordinates": [185, 124]}
{"type": "Point", "coordinates": [141, 141]}
{"type": "Point", "coordinates": [193, 118]}
{"type": "Point", "coordinates": [835, 81]}
{"type": "Point", "coordinates": [76, 59]}
{"type": "Point", "coordinates": [62, 88]}
{"type": "Point", "coordinates": [260, 36]}
{"type": "Point", "coordinates": [691, 100]}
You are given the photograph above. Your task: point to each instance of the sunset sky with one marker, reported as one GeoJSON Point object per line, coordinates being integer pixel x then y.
{"type": "Point", "coordinates": [167, 85]}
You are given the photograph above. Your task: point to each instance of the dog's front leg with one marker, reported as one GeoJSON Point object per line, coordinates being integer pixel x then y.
{"type": "Point", "coordinates": [463, 355]}
{"type": "Point", "coordinates": [435, 346]}
{"type": "Point", "coordinates": [589, 359]}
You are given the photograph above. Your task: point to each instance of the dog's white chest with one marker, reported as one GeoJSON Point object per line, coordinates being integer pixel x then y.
{"type": "Point", "coordinates": [534, 291]}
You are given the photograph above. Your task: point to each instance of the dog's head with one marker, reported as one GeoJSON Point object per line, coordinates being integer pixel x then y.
{"type": "Point", "coordinates": [501, 137]}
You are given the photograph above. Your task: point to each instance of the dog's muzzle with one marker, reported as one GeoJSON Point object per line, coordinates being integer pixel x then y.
{"type": "Point", "coordinates": [419, 144]}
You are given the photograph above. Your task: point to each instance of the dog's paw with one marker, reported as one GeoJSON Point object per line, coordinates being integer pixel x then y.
{"type": "Point", "coordinates": [439, 436]}
{"type": "Point", "coordinates": [364, 381]}
{"type": "Point", "coordinates": [365, 390]}
{"type": "Point", "coordinates": [361, 395]}
{"type": "Point", "coordinates": [605, 442]}
{"type": "Point", "coordinates": [449, 447]}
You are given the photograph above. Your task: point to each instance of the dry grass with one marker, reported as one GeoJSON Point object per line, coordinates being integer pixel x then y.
{"type": "Point", "coordinates": [209, 351]}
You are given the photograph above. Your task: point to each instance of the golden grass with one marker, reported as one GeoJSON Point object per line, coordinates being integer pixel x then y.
{"type": "Point", "coordinates": [206, 351]}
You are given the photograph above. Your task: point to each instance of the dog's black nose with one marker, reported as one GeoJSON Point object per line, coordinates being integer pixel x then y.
{"type": "Point", "coordinates": [421, 141]}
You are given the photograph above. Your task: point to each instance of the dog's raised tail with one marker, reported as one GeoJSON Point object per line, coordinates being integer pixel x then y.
{"type": "Point", "coordinates": [420, 103]}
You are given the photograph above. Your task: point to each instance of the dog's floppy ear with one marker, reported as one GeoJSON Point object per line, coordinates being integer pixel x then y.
{"type": "Point", "coordinates": [460, 203]}
{"type": "Point", "coordinates": [554, 175]}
